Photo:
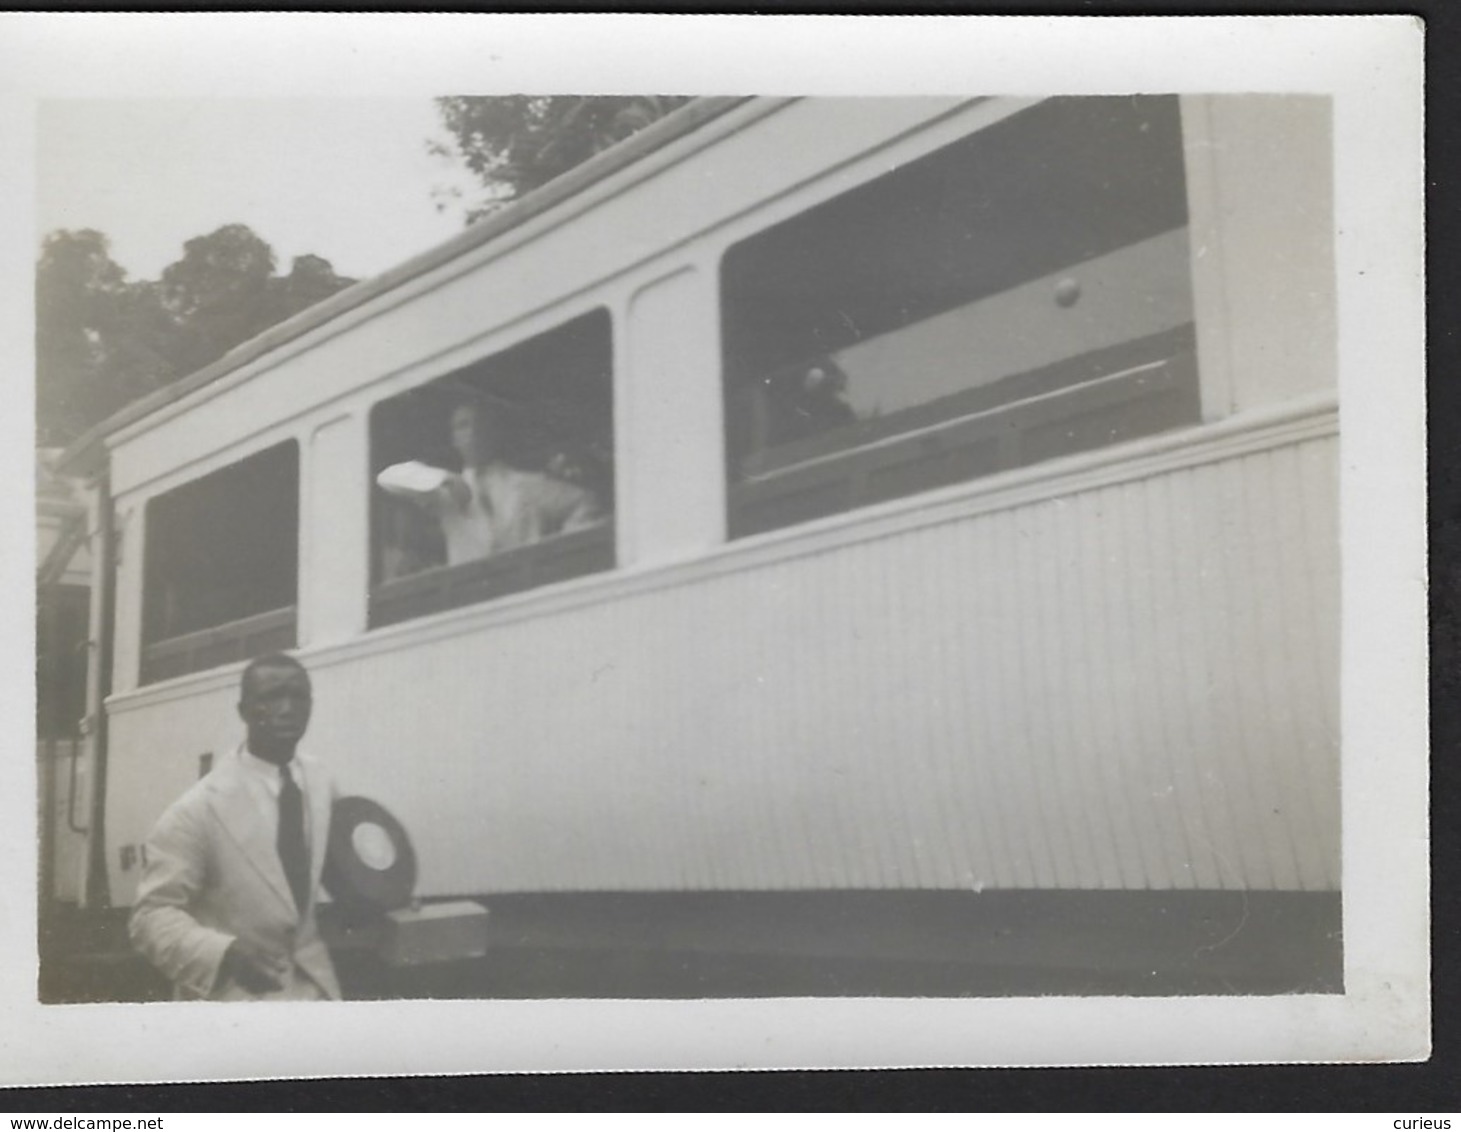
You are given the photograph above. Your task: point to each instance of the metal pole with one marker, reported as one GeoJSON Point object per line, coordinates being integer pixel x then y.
{"type": "Point", "coordinates": [104, 574]}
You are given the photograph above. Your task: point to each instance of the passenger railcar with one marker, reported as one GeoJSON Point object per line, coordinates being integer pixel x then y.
{"type": "Point", "coordinates": [967, 473]}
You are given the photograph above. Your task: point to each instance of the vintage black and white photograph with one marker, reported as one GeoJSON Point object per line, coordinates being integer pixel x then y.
{"type": "Point", "coordinates": [860, 547]}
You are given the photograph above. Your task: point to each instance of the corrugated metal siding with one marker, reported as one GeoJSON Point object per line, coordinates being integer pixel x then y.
{"type": "Point", "coordinates": [1133, 686]}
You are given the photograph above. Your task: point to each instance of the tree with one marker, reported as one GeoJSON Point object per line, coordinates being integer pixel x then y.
{"type": "Point", "coordinates": [217, 294]}
{"type": "Point", "coordinates": [95, 335]}
{"type": "Point", "coordinates": [75, 268]}
{"type": "Point", "coordinates": [515, 144]}
{"type": "Point", "coordinates": [311, 279]}
{"type": "Point", "coordinates": [102, 341]}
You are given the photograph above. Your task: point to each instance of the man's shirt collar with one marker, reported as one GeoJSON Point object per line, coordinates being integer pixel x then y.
{"type": "Point", "coordinates": [267, 772]}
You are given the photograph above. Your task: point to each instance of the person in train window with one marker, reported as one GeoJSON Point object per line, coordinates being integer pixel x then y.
{"type": "Point", "coordinates": [799, 401]}
{"type": "Point", "coordinates": [492, 506]}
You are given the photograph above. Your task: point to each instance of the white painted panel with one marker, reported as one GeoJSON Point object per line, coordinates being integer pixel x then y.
{"type": "Point", "coordinates": [1260, 190]}
{"type": "Point", "coordinates": [1130, 685]}
{"type": "Point", "coordinates": [334, 533]}
{"type": "Point", "coordinates": [152, 757]}
{"type": "Point", "coordinates": [668, 418]}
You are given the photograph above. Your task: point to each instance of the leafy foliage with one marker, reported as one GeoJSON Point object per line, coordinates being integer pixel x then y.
{"type": "Point", "coordinates": [103, 341]}
{"type": "Point", "coordinates": [515, 144]}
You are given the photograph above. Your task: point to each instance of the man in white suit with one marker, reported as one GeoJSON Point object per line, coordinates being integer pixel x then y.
{"type": "Point", "coordinates": [226, 906]}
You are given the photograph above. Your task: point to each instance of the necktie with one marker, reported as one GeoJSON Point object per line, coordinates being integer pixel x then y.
{"type": "Point", "coordinates": [293, 854]}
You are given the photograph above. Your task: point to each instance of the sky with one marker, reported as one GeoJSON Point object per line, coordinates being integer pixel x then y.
{"type": "Point", "coordinates": [349, 179]}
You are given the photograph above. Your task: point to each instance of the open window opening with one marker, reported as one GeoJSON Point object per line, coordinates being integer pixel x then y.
{"type": "Point", "coordinates": [1019, 295]}
{"type": "Point", "coordinates": [220, 580]}
{"type": "Point", "coordinates": [496, 478]}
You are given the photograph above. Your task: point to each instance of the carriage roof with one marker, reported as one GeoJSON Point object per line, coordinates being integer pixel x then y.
{"type": "Point", "coordinates": [86, 454]}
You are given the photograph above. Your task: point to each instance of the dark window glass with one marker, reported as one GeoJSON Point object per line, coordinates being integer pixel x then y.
{"type": "Point", "coordinates": [496, 478]}
{"type": "Point", "coordinates": [222, 563]}
{"type": "Point", "coordinates": [1020, 294]}
{"type": "Point", "coordinates": [62, 616]}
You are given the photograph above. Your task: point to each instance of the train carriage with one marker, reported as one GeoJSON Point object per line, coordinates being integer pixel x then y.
{"type": "Point", "coordinates": [961, 585]}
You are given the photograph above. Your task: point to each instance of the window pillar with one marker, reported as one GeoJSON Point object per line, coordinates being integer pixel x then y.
{"type": "Point", "coordinates": [1261, 202]}
{"type": "Point", "coordinates": [670, 421]}
{"type": "Point", "coordinates": [334, 535]}
{"type": "Point", "coordinates": [127, 532]}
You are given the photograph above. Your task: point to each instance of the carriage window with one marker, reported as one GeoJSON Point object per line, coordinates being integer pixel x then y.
{"type": "Point", "coordinates": [1019, 295]}
{"type": "Point", "coordinates": [496, 478]}
{"type": "Point", "coordinates": [221, 571]}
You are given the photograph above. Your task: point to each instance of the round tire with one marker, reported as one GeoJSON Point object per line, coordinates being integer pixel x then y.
{"type": "Point", "coordinates": [370, 865]}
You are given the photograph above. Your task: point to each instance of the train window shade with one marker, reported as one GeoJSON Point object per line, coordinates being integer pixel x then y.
{"type": "Point", "coordinates": [220, 578]}
{"type": "Point", "coordinates": [1019, 295]}
{"type": "Point", "coordinates": [534, 506]}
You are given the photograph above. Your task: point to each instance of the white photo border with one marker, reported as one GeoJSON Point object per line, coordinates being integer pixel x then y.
{"type": "Point", "coordinates": [1372, 66]}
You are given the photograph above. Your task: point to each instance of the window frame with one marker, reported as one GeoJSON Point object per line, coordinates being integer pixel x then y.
{"type": "Point", "coordinates": [555, 559]}
{"type": "Point", "coordinates": [235, 639]}
{"type": "Point", "coordinates": [1163, 373]}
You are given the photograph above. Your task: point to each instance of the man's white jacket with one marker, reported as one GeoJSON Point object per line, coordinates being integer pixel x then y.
{"type": "Point", "coordinates": [213, 875]}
